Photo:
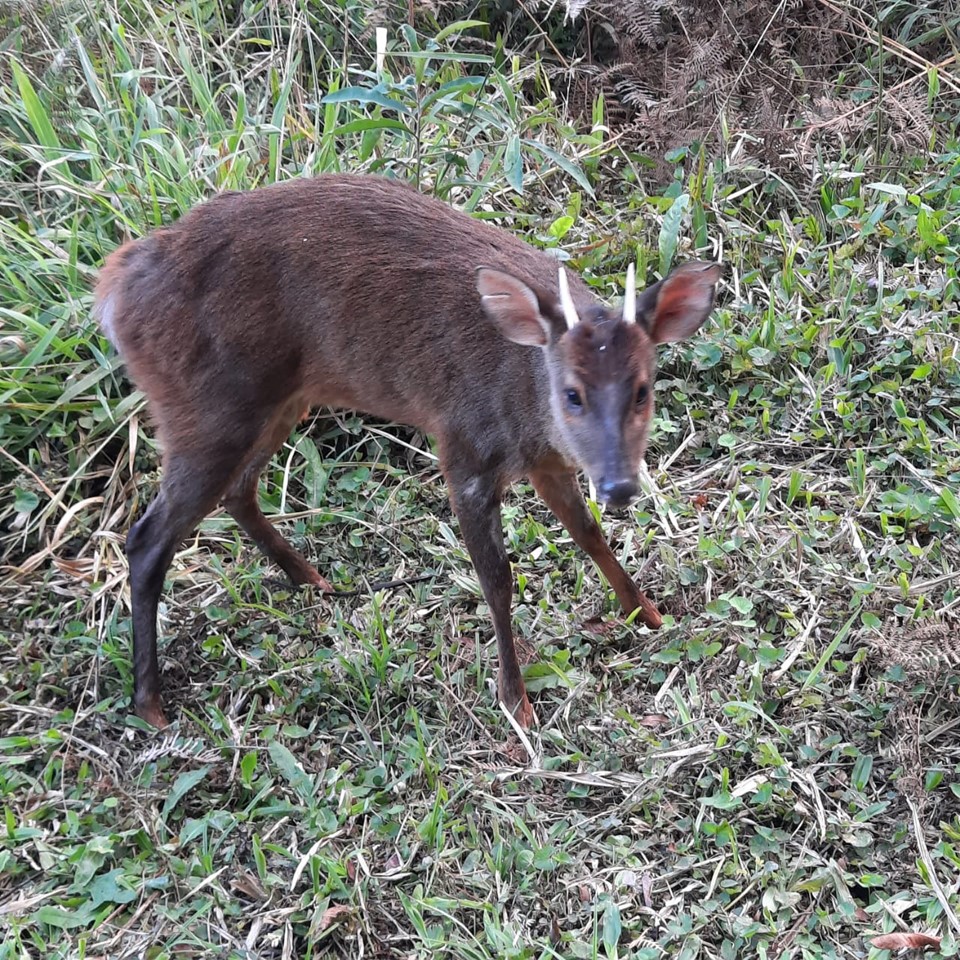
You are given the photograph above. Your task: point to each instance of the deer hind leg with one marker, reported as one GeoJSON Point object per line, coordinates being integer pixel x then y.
{"type": "Point", "coordinates": [193, 481]}
{"type": "Point", "coordinates": [562, 495]}
{"type": "Point", "coordinates": [241, 500]}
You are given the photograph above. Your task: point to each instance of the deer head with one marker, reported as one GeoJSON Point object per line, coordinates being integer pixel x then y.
{"type": "Point", "coordinates": [601, 362]}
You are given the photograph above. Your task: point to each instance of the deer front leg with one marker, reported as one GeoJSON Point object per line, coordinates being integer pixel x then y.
{"type": "Point", "coordinates": [562, 495]}
{"type": "Point", "coordinates": [476, 502]}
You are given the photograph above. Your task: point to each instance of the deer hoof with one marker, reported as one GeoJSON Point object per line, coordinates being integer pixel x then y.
{"type": "Point", "coordinates": [523, 713]}
{"type": "Point", "coordinates": [149, 709]}
{"type": "Point", "coordinates": [321, 583]}
{"type": "Point", "coordinates": [649, 615]}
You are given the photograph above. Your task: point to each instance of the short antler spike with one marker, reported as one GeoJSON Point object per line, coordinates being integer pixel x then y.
{"type": "Point", "coordinates": [630, 297]}
{"type": "Point", "coordinates": [566, 301]}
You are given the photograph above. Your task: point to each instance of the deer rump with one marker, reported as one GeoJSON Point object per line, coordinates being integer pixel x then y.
{"type": "Point", "coordinates": [358, 292]}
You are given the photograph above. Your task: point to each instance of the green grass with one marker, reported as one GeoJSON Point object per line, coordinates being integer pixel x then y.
{"type": "Point", "coordinates": [773, 774]}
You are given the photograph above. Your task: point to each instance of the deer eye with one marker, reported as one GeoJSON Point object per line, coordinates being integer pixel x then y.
{"type": "Point", "coordinates": [643, 394]}
{"type": "Point", "coordinates": [574, 400]}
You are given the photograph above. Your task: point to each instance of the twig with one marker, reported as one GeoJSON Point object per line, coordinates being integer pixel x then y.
{"type": "Point", "coordinates": [799, 642]}
{"type": "Point", "coordinates": [903, 52]}
{"type": "Point", "coordinates": [932, 877]}
{"type": "Point", "coordinates": [383, 585]}
{"type": "Point", "coordinates": [536, 759]}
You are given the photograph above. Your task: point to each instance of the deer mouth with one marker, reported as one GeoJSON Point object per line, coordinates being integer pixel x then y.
{"type": "Point", "coordinates": [617, 493]}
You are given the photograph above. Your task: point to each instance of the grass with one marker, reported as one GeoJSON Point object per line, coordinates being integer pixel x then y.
{"type": "Point", "coordinates": [773, 774]}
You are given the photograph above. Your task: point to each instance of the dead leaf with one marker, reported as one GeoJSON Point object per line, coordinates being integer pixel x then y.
{"type": "Point", "coordinates": [393, 863]}
{"type": "Point", "coordinates": [330, 915]}
{"type": "Point", "coordinates": [573, 9]}
{"type": "Point", "coordinates": [556, 934]}
{"type": "Point", "coordinates": [654, 720]}
{"type": "Point", "coordinates": [750, 785]}
{"type": "Point", "coordinates": [15, 343]}
{"type": "Point", "coordinates": [584, 894]}
{"type": "Point", "coordinates": [646, 884]}
{"type": "Point", "coordinates": [526, 651]}
{"type": "Point", "coordinates": [247, 884]}
{"type": "Point", "coordinates": [904, 941]}
{"type": "Point", "coordinates": [700, 501]}
{"type": "Point", "coordinates": [78, 569]}
{"type": "Point", "coordinates": [598, 627]}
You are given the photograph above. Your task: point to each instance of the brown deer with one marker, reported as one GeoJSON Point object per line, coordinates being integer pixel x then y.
{"type": "Point", "coordinates": [359, 292]}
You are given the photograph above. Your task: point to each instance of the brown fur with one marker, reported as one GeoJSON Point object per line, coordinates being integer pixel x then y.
{"type": "Point", "coordinates": [358, 292]}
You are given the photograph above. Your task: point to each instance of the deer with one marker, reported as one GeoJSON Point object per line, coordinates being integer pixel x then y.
{"type": "Point", "coordinates": [357, 291]}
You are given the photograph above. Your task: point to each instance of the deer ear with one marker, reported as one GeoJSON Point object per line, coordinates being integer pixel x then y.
{"type": "Point", "coordinates": [513, 307]}
{"type": "Point", "coordinates": [676, 307]}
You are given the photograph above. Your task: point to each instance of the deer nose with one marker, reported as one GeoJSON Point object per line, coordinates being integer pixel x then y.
{"type": "Point", "coordinates": [616, 493]}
